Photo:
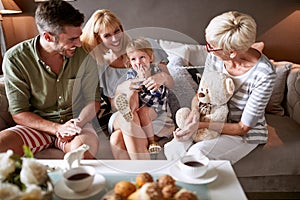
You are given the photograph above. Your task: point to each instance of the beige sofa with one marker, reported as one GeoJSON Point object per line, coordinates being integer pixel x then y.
{"type": "Point", "coordinates": [271, 168]}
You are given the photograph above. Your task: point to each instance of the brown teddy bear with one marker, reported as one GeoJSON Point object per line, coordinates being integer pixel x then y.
{"type": "Point", "coordinates": [215, 90]}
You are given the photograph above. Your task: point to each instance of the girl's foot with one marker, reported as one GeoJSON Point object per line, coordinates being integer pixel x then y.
{"type": "Point", "coordinates": [122, 105]}
{"type": "Point", "coordinates": [154, 148]}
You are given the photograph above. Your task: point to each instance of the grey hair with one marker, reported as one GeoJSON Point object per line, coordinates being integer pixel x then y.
{"type": "Point", "coordinates": [231, 31]}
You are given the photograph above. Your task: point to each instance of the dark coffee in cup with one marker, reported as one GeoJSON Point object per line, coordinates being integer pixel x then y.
{"type": "Point", "coordinates": [78, 176]}
{"type": "Point", "coordinates": [193, 163]}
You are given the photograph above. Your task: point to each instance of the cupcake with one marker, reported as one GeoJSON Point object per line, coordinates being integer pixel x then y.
{"type": "Point", "coordinates": [150, 191]}
{"type": "Point", "coordinates": [185, 194]}
{"type": "Point", "coordinates": [124, 188]}
{"type": "Point", "coordinates": [165, 180]}
{"type": "Point", "coordinates": [169, 191]}
{"type": "Point", "coordinates": [143, 178]}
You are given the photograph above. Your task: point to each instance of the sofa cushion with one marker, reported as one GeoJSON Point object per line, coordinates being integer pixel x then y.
{"type": "Point", "coordinates": [174, 50]}
{"type": "Point", "coordinates": [184, 86]}
{"type": "Point", "coordinates": [292, 103]}
{"type": "Point", "coordinates": [275, 103]}
{"type": "Point", "coordinates": [277, 160]}
{"type": "Point", "coordinates": [197, 54]}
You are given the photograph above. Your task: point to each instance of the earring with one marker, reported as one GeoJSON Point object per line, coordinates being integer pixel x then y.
{"type": "Point", "coordinates": [231, 56]}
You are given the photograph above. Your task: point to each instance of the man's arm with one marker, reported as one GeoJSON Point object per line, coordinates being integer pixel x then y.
{"type": "Point", "coordinates": [34, 121]}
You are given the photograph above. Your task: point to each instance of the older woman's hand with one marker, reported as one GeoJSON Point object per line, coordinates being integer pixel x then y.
{"type": "Point", "coordinates": [190, 127]}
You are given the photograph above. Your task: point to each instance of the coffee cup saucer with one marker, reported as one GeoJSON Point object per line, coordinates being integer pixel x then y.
{"type": "Point", "coordinates": [61, 189]}
{"type": "Point", "coordinates": [208, 177]}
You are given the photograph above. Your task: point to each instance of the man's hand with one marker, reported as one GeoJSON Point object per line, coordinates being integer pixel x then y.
{"type": "Point", "coordinates": [69, 130]}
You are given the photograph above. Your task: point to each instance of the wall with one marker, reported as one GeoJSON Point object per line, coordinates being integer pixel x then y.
{"type": "Point", "coordinates": [278, 21]}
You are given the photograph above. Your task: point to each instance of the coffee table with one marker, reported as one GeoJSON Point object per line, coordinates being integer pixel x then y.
{"type": "Point", "coordinates": [221, 183]}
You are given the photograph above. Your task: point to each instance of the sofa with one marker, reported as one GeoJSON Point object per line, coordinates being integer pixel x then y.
{"type": "Point", "coordinates": [271, 171]}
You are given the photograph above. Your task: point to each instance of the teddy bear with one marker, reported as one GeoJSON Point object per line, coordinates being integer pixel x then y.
{"type": "Point", "coordinates": [210, 102]}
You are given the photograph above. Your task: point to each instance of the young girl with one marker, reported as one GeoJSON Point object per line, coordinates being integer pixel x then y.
{"type": "Point", "coordinates": [151, 102]}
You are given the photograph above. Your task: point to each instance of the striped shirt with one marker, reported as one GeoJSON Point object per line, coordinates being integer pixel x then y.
{"type": "Point", "coordinates": [250, 98]}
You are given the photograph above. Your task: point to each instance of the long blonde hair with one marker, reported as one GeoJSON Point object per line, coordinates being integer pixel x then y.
{"type": "Point", "coordinates": [91, 41]}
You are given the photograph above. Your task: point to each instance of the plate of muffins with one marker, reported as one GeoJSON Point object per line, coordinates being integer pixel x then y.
{"type": "Point", "coordinates": [147, 188]}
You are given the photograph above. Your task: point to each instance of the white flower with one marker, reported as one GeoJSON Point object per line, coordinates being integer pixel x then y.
{"type": "Point", "coordinates": [7, 165]}
{"type": "Point", "coordinates": [33, 192]}
{"type": "Point", "coordinates": [9, 191]}
{"type": "Point", "coordinates": [33, 172]}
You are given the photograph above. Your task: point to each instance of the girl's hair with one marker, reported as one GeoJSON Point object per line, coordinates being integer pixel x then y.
{"type": "Point", "coordinates": [138, 44]}
{"type": "Point", "coordinates": [231, 31]}
{"type": "Point", "coordinates": [52, 16]}
{"type": "Point", "coordinates": [100, 20]}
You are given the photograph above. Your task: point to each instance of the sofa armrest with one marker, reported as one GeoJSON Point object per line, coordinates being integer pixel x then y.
{"type": "Point", "coordinates": [292, 101]}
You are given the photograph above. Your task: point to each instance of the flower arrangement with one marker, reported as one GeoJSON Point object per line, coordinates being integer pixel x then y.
{"type": "Point", "coordinates": [23, 178]}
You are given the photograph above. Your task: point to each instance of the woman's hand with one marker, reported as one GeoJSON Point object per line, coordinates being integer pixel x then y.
{"type": "Point", "coordinates": [154, 82]}
{"type": "Point", "coordinates": [190, 127]}
{"type": "Point", "coordinates": [69, 130]}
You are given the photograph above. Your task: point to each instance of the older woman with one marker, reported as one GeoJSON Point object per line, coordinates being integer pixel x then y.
{"type": "Point", "coordinates": [104, 36]}
{"type": "Point", "coordinates": [229, 39]}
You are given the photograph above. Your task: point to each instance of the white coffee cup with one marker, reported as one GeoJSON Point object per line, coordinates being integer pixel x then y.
{"type": "Point", "coordinates": [193, 166]}
{"type": "Point", "coordinates": [79, 178]}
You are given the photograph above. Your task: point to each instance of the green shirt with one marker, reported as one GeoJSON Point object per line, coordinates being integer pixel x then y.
{"type": "Point", "coordinates": [32, 86]}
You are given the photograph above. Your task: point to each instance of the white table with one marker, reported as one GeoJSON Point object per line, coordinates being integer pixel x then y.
{"type": "Point", "coordinates": [226, 186]}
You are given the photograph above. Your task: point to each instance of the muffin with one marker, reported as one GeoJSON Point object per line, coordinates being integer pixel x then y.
{"type": "Point", "coordinates": [150, 191]}
{"type": "Point", "coordinates": [165, 180]}
{"type": "Point", "coordinates": [124, 188]}
{"type": "Point", "coordinates": [143, 178]}
{"type": "Point", "coordinates": [169, 191]}
{"type": "Point", "coordinates": [185, 194]}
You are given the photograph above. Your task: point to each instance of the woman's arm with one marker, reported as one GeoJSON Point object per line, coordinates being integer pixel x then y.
{"type": "Point", "coordinates": [192, 124]}
{"type": "Point", "coordinates": [162, 78]}
{"type": "Point", "coordinates": [226, 128]}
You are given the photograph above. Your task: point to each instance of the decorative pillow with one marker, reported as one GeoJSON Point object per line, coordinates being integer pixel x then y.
{"type": "Point", "coordinates": [275, 103]}
{"type": "Point", "coordinates": [292, 104]}
{"type": "Point", "coordinates": [184, 86]}
{"type": "Point", "coordinates": [176, 49]}
{"type": "Point", "coordinates": [197, 54]}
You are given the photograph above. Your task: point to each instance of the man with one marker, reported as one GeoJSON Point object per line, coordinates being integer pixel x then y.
{"type": "Point", "coordinates": [52, 85]}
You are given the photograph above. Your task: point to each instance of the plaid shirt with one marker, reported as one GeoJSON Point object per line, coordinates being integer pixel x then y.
{"type": "Point", "coordinates": [158, 99]}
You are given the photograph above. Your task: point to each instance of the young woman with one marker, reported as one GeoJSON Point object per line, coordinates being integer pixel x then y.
{"type": "Point", "coordinates": [229, 39]}
{"type": "Point", "coordinates": [104, 36]}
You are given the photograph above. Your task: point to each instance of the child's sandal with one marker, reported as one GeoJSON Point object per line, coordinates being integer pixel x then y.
{"type": "Point", "coordinates": [122, 105]}
{"type": "Point", "coordinates": [154, 148]}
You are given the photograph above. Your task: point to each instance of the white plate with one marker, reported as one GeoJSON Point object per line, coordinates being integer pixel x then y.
{"type": "Point", "coordinates": [208, 177]}
{"type": "Point", "coordinates": [109, 195]}
{"type": "Point", "coordinates": [62, 191]}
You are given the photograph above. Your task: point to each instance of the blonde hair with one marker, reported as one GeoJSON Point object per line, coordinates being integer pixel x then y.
{"type": "Point", "coordinates": [138, 44]}
{"type": "Point", "coordinates": [231, 31]}
{"type": "Point", "coordinates": [100, 20]}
